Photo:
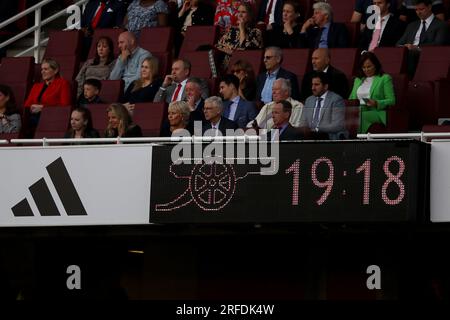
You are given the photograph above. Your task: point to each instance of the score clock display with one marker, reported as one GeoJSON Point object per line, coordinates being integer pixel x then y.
{"type": "Point", "coordinates": [351, 181]}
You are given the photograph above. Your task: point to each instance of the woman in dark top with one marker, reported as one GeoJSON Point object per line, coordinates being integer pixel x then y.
{"type": "Point", "coordinates": [288, 34]}
{"type": "Point", "coordinates": [81, 124]}
{"type": "Point", "coordinates": [145, 88]}
{"type": "Point", "coordinates": [178, 116]}
{"type": "Point", "coordinates": [10, 121]}
{"type": "Point", "coordinates": [247, 81]}
{"type": "Point", "coordinates": [120, 123]}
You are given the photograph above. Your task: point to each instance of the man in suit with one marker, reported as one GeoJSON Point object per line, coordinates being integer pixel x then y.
{"type": "Point", "coordinates": [338, 81]}
{"type": "Point", "coordinates": [270, 11]}
{"type": "Point", "coordinates": [194, 99]}
{"type": "Point", "coordinates": [387, 30]}
{"type": "Point", "coordinates": [215, 124]}
{"type": "Point", "coordinates": [273, 56]}
{"type": "Point", "coordinates": [173, 87]}
{"type": "Point", "coordinates": [100, 14]}
{"type": "Point", "coordinates": [324, 114]}
{"type": "Point", "coordinates": [236, 108]}
{"type": "Point", "coordinates": [321, 32]}
{"type": "Point", "coordinates": [282, 130]}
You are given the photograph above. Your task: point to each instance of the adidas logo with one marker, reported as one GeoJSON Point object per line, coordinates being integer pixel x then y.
{"type": "Point", "coordinates": [43, 198]}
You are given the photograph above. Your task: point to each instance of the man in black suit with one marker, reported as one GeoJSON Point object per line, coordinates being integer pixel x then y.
{"type": "Point", "coordinates": [282, 130]}
{"type": "Point", "coordinates": [385, 31]}
{"type": "Point", "coordinates": [215, 124]}
{"type": "Point", "coordinates": [273, 56]}
{"type": "Point", "coordinates": [100, 14]}
{"type": "Point", "coordinates": [270, 11]}
{"type": "Point", "coordinates": [321, 32]}
{"type": "Point", "coordinates": [338, 81]}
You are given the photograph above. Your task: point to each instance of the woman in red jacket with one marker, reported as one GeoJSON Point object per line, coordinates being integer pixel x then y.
{"type": "Point", "coordinates": [52, 91]}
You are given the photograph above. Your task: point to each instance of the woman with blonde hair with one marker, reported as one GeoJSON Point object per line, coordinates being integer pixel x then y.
{"type": "Point", "coordinates": [178, 118]}
{"type": "Point", "coordinates": [120, 123]}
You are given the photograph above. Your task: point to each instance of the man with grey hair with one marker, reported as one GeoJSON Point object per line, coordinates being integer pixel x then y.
{"type": "Point", "coordinates": [215, 124]}
{"type": "Point", "coordinates": [281, 91]}
{"type": "Point", "coordinates": [273, 57]}
{"type": "Point", "coordinates": [320, 31]}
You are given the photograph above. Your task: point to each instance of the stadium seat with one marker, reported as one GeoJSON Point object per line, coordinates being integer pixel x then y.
{"type": "Point", "coordinates": [165, 62]}
{"type": "Point", "coordinates": [433, 63]}
{"type": "Point", "coordinates": [197, 36]}
{"type": "Point", "coordinates": [99, 117]}
{"type": "Point", "coordinates": [111, 91]}
{"type": "Point", "coordinates": [199, 64]}
{"type": "Point", "coordinates": [345, 59]}
{"type": "Point", "coordinates": [342, 10]}
{"type": "Point", "coordinates": [69, 66]}
{"type": "Point", "coordinates": [18, 74]}
{"type": "Point", "coordinates": [254, 57]}
{"type": "Point", "coordinates": [443, 98]}
{"type": "Point", "coordinates": [112, 33]}
{"type": "Point", "coordinates": [421, 102]}
{"type": "Point", "coordinates": [64, 43]}
{"type": "Point", "coordinates": [150, 116]}
{"type": "Point", "coordinates": [352, 117]}
{"type": "Point", "coordinates": [354, 30]}
{"type": "Point", "coordinates": [156, 39]}
{"type": "Point", "coordinates": [305, 9]}
{"type": "Point", "coordinates": [53, 122]}
{"type": "Point", "coordinates": [393, 60]}
{"type": "Point", "coordinates": [297, 61]}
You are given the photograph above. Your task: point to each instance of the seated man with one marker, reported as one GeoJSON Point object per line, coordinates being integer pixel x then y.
{"type": "Point", "coordinates": [321, 32]}
{"type": "Point", "coordinates": [282, 130]}
{"type": "Point", "coordinates": [281, 91]}
{"type": "Point", "coordinates": [194, 99]}
{"type": "Point", "coordinates": [215, 124]}
{"type": "Point", "coordinates": [91, 91]}
{"type": "Point", "coordinates": [324, 114]}
{"type": "Point", "coordinates": [235, 108]}
{"type": "Point", "coordinates": [128, 64]}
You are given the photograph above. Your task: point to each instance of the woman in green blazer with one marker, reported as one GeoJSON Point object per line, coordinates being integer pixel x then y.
{"type": "Point", "coordinates": [374, 90]}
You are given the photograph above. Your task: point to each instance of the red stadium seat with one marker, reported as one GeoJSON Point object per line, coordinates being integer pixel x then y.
{"type": "Point", "coordinates": [18, 74]}
{"type": "Point", "coordinates": [421, 102]}
{"type": "Point", "coordinates": [433, 63]}
{"type": "Point", "coordinates": [392, 59]}
{"type": "Point", "coordinates": [99, 117]}
{"type": "Point", "coordinates": [150, 116]}
{"type": "Point", "coordinates": [199, 64]}
{"type": "Point", "coordinates": [197, 36]}
{"type": "Point", "coordinates": [111, 33]}
{"type": "Point", "coordinates": [342, 10]}
{"type": "Point", "coordinates": [64, 43]}
{"type": "Point", "coordinates": [156, 39]}
{"type": "Point", "coordinates": [68, 66]}
{"type": "Point", "coordinates": [53, 122]}
{"type": "Point", "coordinates": [354, 30]}
{"type": "Point", "coordinates": [352, 117]}
{"type": "Point", "coordinates": [305, 9]}
{"type": "Point", "coordinates": [296, 60]}
{"type": "Point", "coordinates": [111, 91]}
{"type": "Point", "coordinates": [165, 62]}
{"type": "Point", "coordinates": [254, 57]}
{"type": "Point", "coordinates": [345, 59]}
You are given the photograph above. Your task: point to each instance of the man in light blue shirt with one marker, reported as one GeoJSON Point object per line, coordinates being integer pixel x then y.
{"type": "Point", "coordinates": [128, 64]}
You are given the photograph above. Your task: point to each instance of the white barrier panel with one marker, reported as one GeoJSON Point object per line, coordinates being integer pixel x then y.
{"type": "Point", "coordinates": [89, 185]}
{"type": "Point", "coordinates": [440, 181]}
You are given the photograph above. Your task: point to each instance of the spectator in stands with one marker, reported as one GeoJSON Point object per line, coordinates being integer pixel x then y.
{"type": "Point", "coordinates": [243, 37]}
{"type": "Point", "coordinates": [270, 13]}
{"type": "Point", "coordinates": [178, 117]}
{"type": "Point", "coordinates": [120, 123]}
{"type": "Point", "coordinates": [282, 130]}
{"type": "Point", "coordinates": [374, 90]}
{"type": "Point", "coordinates": [338, 81]}
{"type": "Point", "coordinates": [388, 30]}
{"type": "Point", "coordinates": [145, 88]}
{"type": "Point", "coordinates": [227, 13]}
{"type": "Point", "coordinates": [146, 13]}
{"type": "Point", "coordinates": [90, 95]}
{"type": "Point", "coordinates": [52, 91]}
{"type": "Point", "coordinates": [173, 86]}
{"type": "Point", "coordinates": [286, 35]}
{"type": "Point", "coordinates": [235, 108]}
{"type": "Point", "coordinates": [324, 114]}
{"type": "Point", "coordinates": [100, 66]}
{"type": "Point", "coordinates": [215, 124]}
{"type": "Point", "coordinates": [10, 121]}
{"type": "Point", "coordinates": [100, 14]}
{"type": "Point", "coordinates": [409, 14]}
{"type": "Point", "coordinates": [273, 56]}
{"type": "Point", "coordinates": [361, 15]}
{"type": "Point", "coordinates": [128, 64]}
{"type": "Point", "coordinates": [81, 124]}
{"type": "Point", "coordinates": [194, 99]}
{"type": "Point", "coordinates": [320, 31]}
{"type": "Point", "coordinates": [281, 90]}
{"type": "Point", "coordinates": [247, 82]}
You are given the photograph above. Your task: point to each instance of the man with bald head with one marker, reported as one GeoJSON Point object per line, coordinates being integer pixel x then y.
{"type": "Point", "coordinates": [321, 62]}
{"type": "Point", "coordinates": [128, 64]}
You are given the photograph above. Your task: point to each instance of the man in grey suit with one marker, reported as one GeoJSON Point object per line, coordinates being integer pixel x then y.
{"type": "Point", "coordinates": [235, 108]}
{"type": "Point", "coordinates": [173, 87]}
{"type": "Point", "coordinates": [323, 116]}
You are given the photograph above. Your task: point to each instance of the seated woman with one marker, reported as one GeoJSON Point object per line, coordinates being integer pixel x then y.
{"type": "Point", "coordinates": [145, 88]}
{"type": "Point", "coordinates": [81, 124]}
{"type": "Point", "coordinates": [243, 37]}
{"type": "Point", "coordinates": [374, 90]}
{"type": "Point", "coordinates": [120, 123]}
{"type": "Point", "coordinates": [178, 116]}
{"type": "Point", "coordinates": [10, 121]}
{"type": "Point", "coordinates": [288, 34]}
{"type": "Point", "coordinates": [145, 13]}
{"type": "Point", "coordinates": [100, 66]}
{"type": "Point", "coordinates": [52, 91]}
{"type": "Point", "coordinates": [247, 80]}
